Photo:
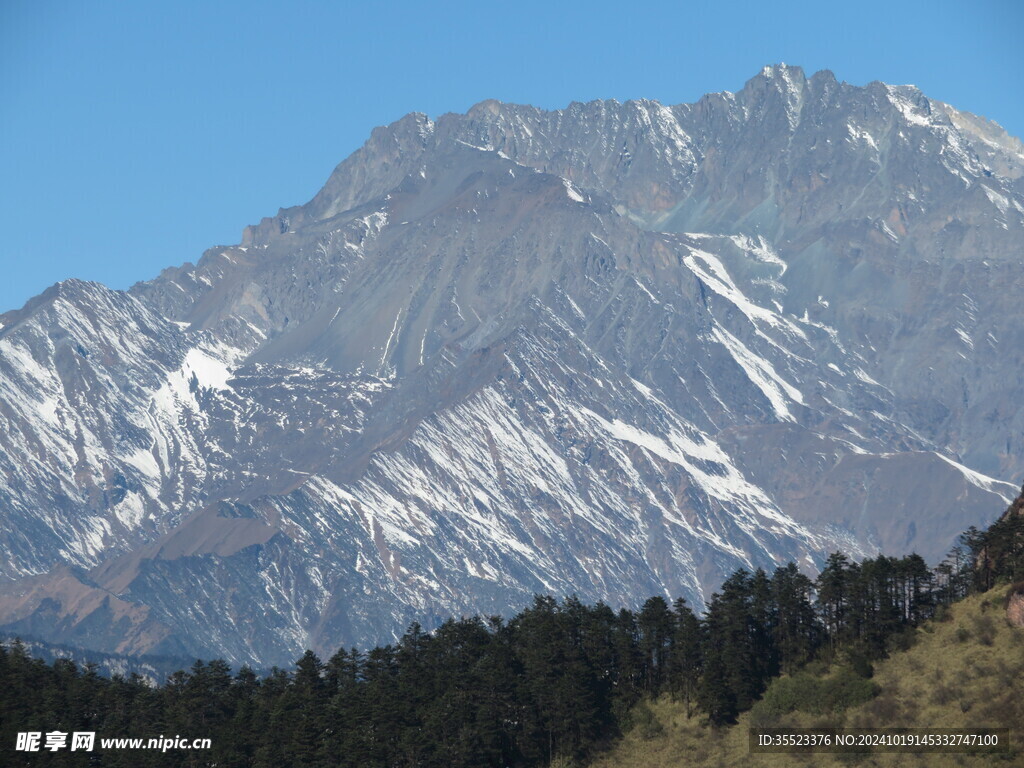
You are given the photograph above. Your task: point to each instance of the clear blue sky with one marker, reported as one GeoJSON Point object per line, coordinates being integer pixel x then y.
{"type": "Point", "coordinates": [133, 135]}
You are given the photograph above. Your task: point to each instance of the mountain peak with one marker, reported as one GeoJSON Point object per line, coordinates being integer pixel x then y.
{"type": "Point", "coordinates": [783, 75]}
{"type": "Point", "coordinates": [490, 107]}
{"type": "Point", "coordinates": [782, 69]}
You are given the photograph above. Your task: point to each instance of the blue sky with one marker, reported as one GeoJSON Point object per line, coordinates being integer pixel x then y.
{"type": "Point", "coordinates": [133, 135]}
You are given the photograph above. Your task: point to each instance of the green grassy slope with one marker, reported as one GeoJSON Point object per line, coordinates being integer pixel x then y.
{"type": "Point", "coordinates": [964, 671]}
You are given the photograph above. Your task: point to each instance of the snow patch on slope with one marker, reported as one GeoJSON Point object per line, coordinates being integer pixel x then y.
{"type": "Point", "coordinates": [761, 374]}
{"type": "Point", "coordinates": [713, 273]}
{"type": "Point", "coordinates": [1006, 491]}
{"type": "Point", "coordinates": [210, 369]}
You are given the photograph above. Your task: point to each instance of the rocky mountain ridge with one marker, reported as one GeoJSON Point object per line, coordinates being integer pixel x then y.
{"type": "Point", "coordinates": [616, 350]}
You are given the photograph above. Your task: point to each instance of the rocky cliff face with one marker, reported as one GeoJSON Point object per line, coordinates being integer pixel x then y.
{"type": "Point", "coordinates": [616, 350]}
{"type": "Point", "coordinates": [1016, 508]}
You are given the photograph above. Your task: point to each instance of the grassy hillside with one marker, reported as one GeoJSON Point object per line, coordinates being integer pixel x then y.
{"type": "Point", "coordinates": [963, 670]}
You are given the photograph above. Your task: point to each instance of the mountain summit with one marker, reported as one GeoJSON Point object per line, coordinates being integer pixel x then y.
{"type": "Point", "coordinates": [613, 350]}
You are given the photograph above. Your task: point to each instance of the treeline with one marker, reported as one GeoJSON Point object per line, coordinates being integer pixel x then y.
{"type": "Point", "coordinates": [558, 680]}
{"type": "Point", "coordinates": [997, 553]}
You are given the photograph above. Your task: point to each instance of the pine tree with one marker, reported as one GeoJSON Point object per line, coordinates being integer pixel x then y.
{"type": "Point", "coordinates": [685, 658]}
{"type": "Point", "coordinates": [834, 597]}
{"type": "Point", "coordinates": [795, 630]}
{"type": "Point", "coordinates": [628, 661]}
{"type": "Point", "coordinates": [655, 624]}
{"type": "Point", "coordinates": [763, 622]}
{"type": "Point", "coordinates": [715, 694]}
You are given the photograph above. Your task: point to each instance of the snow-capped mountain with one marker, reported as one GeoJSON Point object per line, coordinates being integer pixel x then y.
{"type": "Point", "coordinates": [613, 350]}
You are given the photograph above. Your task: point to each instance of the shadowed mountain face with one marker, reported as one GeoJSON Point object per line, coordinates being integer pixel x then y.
{"type": "Point", "coordinates": [616, 350]}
